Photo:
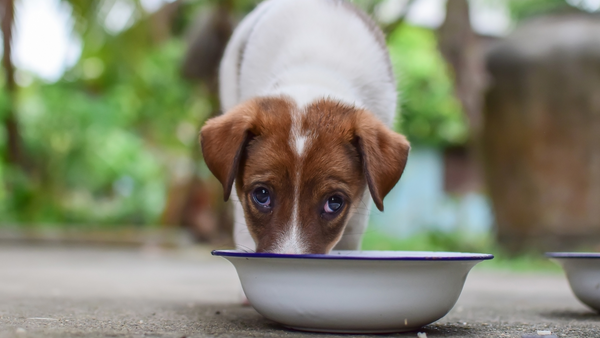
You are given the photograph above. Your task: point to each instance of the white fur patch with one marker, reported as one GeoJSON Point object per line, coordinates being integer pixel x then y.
{"type": "Point", "coordinates": [300, 143]}
{"type": "Point", "coordinates": [298, 139]}
{"type": "Point", "coordinates": [292, 241]}
{"type": "Point", "coordinates": [274, 51]}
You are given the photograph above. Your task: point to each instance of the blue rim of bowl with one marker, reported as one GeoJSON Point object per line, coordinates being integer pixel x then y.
{"type": "Point", "coordinates": [463, 257]}
{"type": "Point", "coordinates": [573, 254]}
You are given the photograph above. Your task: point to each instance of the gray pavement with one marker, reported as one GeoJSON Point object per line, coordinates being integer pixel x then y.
{"type": "Point", "coordinates": [116, 292]}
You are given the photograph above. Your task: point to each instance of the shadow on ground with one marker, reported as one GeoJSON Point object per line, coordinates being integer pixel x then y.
{"type": "Point", "coordinates": [238, 320]}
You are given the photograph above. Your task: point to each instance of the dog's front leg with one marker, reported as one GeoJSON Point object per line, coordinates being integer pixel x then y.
{"type": "Point", "coordinates": [355, 229]}
{"type": "Point", "coordinates": [241, 235]}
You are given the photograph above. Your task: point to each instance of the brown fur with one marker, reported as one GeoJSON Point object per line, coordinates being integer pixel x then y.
{"type": "Point", "coordinates": [349, 149]}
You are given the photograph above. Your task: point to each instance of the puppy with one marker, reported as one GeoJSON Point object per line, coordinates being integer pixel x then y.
{"type": "Point", "coordinates": [305, 141]}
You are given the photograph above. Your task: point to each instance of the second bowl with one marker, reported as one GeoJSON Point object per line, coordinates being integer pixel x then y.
{"type": "Point", "coordinates": [583, 272]}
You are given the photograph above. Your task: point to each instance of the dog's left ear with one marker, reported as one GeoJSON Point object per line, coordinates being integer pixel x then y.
{"type": "Point", "coordinates": [383, 153]}
{"type": "Point", "coordinates": [223, 140]}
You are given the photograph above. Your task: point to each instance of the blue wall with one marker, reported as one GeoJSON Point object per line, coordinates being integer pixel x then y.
{"type": "Point", "coordinates": [419, 203]}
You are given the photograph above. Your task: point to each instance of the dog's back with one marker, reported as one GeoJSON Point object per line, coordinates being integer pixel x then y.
{"type": "Point", "coordinates": [309, 49]}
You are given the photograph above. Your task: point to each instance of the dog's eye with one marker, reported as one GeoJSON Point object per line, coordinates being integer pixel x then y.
{"type": "Point", "coordinates": [261, 197]}
{"type": "Point", "coordinates": [333, 204]}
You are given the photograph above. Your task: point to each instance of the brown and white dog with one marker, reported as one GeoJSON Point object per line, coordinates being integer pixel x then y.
{"type": "Point", "coordinates": [309, 96]}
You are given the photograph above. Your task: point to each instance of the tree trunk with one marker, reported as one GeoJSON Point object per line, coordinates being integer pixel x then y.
{"type": "Point", "coordinates": [14, 153]}
{"type": "Point", "coordinates": [541, 134]}
{"type": "Point", "coordinates": [193, 203]}
{"type": "Point", "coordinates": [463, 51]}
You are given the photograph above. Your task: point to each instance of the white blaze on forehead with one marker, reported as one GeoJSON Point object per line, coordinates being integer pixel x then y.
{"type": "Point", "coordinates": [291, 241]}
{"type": "Point", "coordinates": [298, 139]}
{"type": "Point", "coordinates": [300, 142]}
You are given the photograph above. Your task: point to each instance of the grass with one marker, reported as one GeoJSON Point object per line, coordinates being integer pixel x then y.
{"type": "Point", "coordinates": [462, 242]}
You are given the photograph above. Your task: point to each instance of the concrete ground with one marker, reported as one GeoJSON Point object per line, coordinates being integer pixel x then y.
{"type": "Point", "coordinates": [115, 292]}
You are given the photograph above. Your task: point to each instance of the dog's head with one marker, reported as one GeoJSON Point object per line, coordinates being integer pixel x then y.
{"type": "Point", "coordinates": [300, 173]}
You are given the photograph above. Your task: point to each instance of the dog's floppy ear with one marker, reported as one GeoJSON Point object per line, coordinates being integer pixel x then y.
{"type": "Point", "coordinates": [223, 140]}
{"type": "Point", "coordinates": [383, 153]}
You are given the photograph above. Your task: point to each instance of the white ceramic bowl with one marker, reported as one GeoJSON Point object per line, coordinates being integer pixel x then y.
{"type": "Point", "coordinates": [583, 272]}
{"type": "Point", "coordinates": [353, 291]}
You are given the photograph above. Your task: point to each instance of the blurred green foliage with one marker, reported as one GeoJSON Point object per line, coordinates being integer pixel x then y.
{"type": "Point", "coordinates": [104, 158]}
{"type": "Point", "coordinates": [429, 114]}
{"type": "Point", "coordinates": [458, 241]}
{"type": "Point", "coordinates": [525, 9]}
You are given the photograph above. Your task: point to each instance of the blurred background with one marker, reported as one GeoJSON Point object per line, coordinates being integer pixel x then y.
{"type": "Point", "coordinates": [102, 100]}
